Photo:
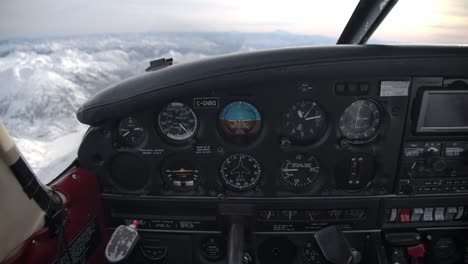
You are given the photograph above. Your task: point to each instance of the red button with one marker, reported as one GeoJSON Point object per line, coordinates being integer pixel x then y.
{"type": "Point", "coordinates": [404, 215]}
{"type": "Point", "coordinates": [417, 251]}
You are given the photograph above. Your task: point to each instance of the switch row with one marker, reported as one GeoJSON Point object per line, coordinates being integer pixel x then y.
{"type": "Point", "coordinates": [427, 214]}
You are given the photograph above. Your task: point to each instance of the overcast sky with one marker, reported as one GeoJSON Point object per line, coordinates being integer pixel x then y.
{"type": "Point", "coordinates": [433, 21]}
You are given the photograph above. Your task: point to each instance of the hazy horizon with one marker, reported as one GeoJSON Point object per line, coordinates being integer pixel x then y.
{"type": "Point", "coordinates": [411, 21]}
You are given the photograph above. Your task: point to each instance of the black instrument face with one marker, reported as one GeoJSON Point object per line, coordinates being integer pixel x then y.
{"type": "Point", "coordinates": [240, 172]}
{"type": "Point", "coordinates": [361, 121]}
{"type": "Point", "coordinates": [300, 172]}
{"type": "Point", "coordinates": [180, 175]}
{"type": "Point", "coordinates": [213, 248]}
{"type": "Point", "coordinates": [131, 131]}
{"type": "Point", "coordinates": [177, 122]}
{"type": "Point", "coordinates": [305, 121]}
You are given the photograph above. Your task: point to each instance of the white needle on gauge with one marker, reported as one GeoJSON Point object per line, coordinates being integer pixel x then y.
{"type": "Point", "coordinates": [313, 117]}
{"type": "Point", "coordinates": [186, 131]}
{"type": "Point", "coordinates": [357, 116]}
{"type": "Point", "coordinates": [299, 113]}
{"type": "Point", "coordinates": [126, 133]}
{"type": "Point", "coordinates": [306, 114]}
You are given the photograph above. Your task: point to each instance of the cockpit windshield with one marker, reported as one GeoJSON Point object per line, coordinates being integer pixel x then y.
{"type": "Point", "coordinates": [54, 55]}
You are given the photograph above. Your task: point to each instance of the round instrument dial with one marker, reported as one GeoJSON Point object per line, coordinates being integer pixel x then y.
{"type": "Point", "coordinates": [240, 119]}
{"type": "Point", "coordinates": [305, 121]}
{"type": "Point", "coordinates": [177, 121]}
{"type": "Point", "coordinates": [361, 121]}
{"type": "Point", "coordinates": [180, 175]}
{"type": "Point", "coordinates": [131, 131]}
{"type": "Point", "coordinates": [300, 172]}
{"type": "Point", "coordinates": [240, 172]}
{"type": "Point", "coordinates": [213, 248]}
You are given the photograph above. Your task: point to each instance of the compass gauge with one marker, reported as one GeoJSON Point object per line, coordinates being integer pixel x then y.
{"type": "Point", "coordinates": [240, 172]}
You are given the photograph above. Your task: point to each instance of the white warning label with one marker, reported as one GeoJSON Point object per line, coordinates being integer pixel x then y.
{"type": "Point", "coordinates": [394, 88]}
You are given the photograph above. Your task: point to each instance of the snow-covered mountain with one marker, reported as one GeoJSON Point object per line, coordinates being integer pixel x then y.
{"type": "Point", "coordinates": [44, 81]}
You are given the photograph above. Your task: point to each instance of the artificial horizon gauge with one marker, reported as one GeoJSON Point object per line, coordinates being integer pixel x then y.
{"type": "Point", "coordinates": [131, 131]}
{"type": "Point", "coordinates": [300, 172]}
{"type": "Point", "coordinates": [240, 172]}
{"type": "Point", "coordinates": [180, 175]}
{"type": "Point", "coordinates": [240, 119]}
{"type": "Point", "coordinates": [305, 121]}
{"type": "Point", "coordinates": [177, 122]}
{"type": "Point", "coordinates": [360, 122]}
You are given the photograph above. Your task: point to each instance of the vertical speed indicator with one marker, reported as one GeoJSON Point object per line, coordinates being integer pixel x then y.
{"type": "Point", "coordinates": [300, 172]}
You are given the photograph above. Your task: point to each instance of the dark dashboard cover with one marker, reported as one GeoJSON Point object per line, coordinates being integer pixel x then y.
{"type": "Point", "coordinates": [140, 90]}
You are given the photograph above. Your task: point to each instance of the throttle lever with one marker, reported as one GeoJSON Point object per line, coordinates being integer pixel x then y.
{"type": "Point", "coordinates": [235, 249]}
{"type": "Point", "coordinates": [335, 246]}
{"type": "Point", "coordinates": [122, 243]}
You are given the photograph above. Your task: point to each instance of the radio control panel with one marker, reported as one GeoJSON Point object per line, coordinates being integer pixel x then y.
{"type": "Point", "coordinates": [434, 167]}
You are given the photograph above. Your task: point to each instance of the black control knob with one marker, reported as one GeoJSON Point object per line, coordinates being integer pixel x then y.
{"type": "Point", "coordinates": [407, 189]}
{"type": "Point", "coordinates": [438, 165]}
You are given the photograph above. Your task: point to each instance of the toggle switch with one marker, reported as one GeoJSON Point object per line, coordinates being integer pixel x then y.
{"type": "Point", "coordinates": [417, 214]}
{"type": "Point", "coordinates": [428, 214]}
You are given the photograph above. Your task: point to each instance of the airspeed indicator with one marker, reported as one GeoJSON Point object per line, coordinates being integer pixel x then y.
{"type": "Point", "coordinates": [177, 122]}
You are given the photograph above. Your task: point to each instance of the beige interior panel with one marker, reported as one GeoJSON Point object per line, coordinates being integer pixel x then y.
{"type": "Point", "coordinates": [21, 216]}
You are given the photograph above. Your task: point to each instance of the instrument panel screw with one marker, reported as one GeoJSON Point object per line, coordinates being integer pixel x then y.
{"type": "Point", "coordinates": [344, 143]}
{"type": "Point", "coordinates": [285, 143]}
{"type": "Point", "coordinates": [200, 188]}
{"type": "Point", "coordinates": [34, 242]}
{"type": "Point", "coordinates": [429, 237]}
{"type": "Point", "coordinates": [220, 149]}
{"type": "Point", "coordinates": [221, 196]}
{"type": "Point", "coordinates": [74, 177]}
